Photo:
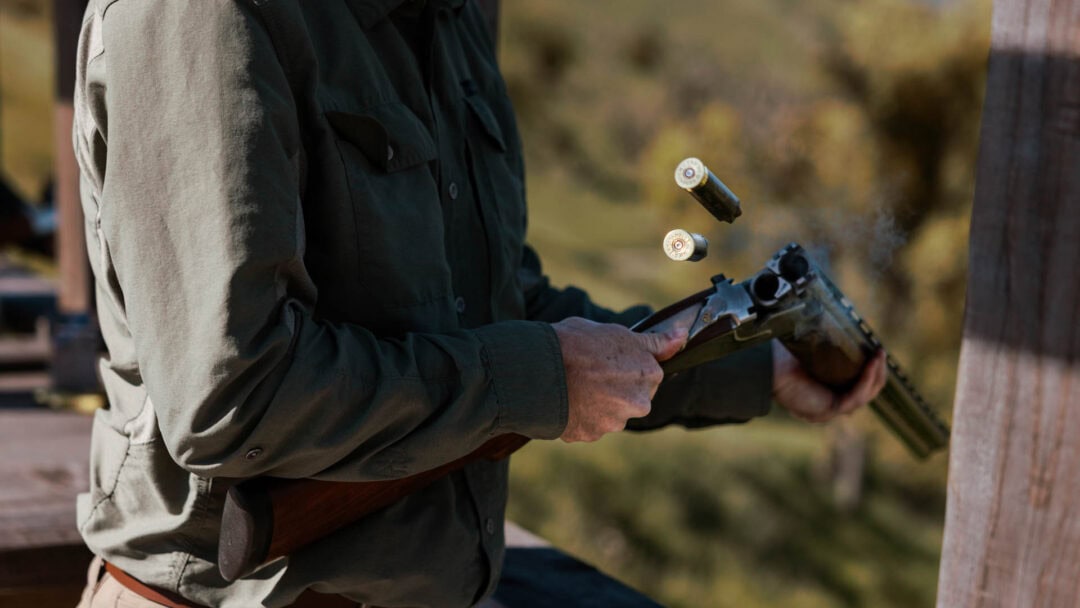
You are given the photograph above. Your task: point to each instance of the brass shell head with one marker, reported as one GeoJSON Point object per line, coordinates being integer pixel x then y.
{"type": "Point", "coordinates": [683, 246]}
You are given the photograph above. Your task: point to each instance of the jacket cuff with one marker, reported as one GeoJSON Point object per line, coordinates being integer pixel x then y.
{"type": "Point", "coordinates": [528, 380]}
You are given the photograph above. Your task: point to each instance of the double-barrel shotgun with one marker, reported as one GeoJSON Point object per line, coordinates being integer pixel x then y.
{"type": "Point", "coordinates": [790, 299]}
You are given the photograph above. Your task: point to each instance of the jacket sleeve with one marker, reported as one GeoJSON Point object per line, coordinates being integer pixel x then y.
{"type": "Point", "coordinates": [199, 219]}
{"type": "Point", "coordinates": [734, 389]}
{"type": "Point", "coordinates": [543, 302]}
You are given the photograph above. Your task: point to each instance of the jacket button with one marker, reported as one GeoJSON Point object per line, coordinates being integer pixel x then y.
{"type": "Point", "coordinates": [459, 304]}
{"type": "Point", "coordinates": [489, 525]}
{"type": "Point", "coordinates": [253, 453]}
{"type": "Point", "coordinates": [453, 191]}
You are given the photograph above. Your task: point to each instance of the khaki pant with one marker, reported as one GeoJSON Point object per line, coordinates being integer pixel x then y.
{"type": "Point", "coordinates": [103, 591]}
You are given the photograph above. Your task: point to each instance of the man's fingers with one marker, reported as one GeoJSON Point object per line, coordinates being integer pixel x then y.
{"type": "Point", "coordinates": [666, 345]}
{"type": "Point", "coordinates": [812, 401]}
{"type": "Point", "coordinates": [683, 319]}
{"type": "Point", "coordinates": [611, 374]}
{"type": "Point", "coordinates": [869, 385]}
{"type": "Point", "coordinates": [883, 373]}
{"type": "Point", "coordinates": [878, 373]}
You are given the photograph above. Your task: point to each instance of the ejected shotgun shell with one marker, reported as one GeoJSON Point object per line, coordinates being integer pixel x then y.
{"type": "Point", "coordinates": [693, 176]}
{"type": "Point", "coordinates": [683, 246]}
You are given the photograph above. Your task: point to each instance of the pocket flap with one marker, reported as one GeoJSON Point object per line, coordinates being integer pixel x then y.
{"type": "Point", "coordinates": [389, 135]}
{"type": "Point", "coordinates": [487, 120]}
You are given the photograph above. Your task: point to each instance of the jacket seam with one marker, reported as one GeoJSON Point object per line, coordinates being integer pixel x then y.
{"type": "Point", "coordinates": [352, 196]}
{"type": "Point", "coordinates": [112, 492]}
{"type": "Point", "coordinates": [485, 358]}
{"type": "Point", "coordinates": [108, 5]}
{"type": "Point", "coordinates": [200, 512]}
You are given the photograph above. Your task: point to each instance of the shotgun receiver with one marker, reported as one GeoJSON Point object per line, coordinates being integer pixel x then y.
{"type": "Point", "coordinates": [790, 299]}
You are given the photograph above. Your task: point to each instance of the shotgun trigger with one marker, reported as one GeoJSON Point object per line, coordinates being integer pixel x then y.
{"type": "Point", "coordinates": [728, 300]}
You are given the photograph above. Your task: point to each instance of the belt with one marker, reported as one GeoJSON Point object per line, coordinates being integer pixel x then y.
{"type": "Point", "coordinates": [307, 599]}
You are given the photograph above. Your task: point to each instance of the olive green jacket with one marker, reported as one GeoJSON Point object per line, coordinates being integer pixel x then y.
{"type": "Point", "coordinates": [307, 231]}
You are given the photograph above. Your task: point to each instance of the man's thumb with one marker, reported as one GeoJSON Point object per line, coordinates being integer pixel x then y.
{"type": "Point", "coordinates": [665, 345]}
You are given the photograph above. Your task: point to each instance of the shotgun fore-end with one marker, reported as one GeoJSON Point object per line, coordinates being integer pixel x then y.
{"type": "Point", "coordinates": [831, 331]}
{"type": "Point", "coordinates": [792, 300]}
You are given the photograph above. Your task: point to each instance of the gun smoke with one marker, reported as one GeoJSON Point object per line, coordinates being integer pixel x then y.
{"type": "Point", "coordinates": [873, 238]}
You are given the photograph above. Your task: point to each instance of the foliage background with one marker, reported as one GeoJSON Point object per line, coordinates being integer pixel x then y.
{"type": "Point", "coordinates": [850, 126]}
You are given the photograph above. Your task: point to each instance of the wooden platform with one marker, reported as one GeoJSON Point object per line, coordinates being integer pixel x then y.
{"type": "Point", "coordinates": [43, 465]}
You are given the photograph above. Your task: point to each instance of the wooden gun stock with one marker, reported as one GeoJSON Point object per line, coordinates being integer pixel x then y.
{"type": "Point", "coordinates": [266, 518]}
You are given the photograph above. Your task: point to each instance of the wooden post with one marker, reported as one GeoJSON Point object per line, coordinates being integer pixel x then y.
{"type": "Point", "coordinates": [73, 295]}
{"type": "Point", "coordinates": [1012, 533]}
{"type": "Point", "coordinates": [75, 329]}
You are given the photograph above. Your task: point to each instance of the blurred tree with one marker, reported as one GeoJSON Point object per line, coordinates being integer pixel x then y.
{"type": "Point", "coordinates": [848, 125]}
{"type": "Point", "coordinates": [26, 92]}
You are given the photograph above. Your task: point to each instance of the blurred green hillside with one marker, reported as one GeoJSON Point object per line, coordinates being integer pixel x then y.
{"type": "Point", "coordinates": [26, 89]}
{"type": "Point", "coordinates": [850, 126]}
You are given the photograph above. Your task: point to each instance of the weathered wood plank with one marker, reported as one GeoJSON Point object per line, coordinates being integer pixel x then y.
{"type": "Point", "coordinates": [43, 465]}
{"type": "Point", "coordinates": [15, 285]}
{"type": "Point", "coordinates": [1012, 534]}
{"type": "Point", "coordinates": [24, 350]}
{"type": "Point", "coordinates": [20, 386]}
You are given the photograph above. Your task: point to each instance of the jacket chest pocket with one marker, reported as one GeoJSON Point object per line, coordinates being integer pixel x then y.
{"type": "Point", "coordinates": [502, 196]}
{"type": "Point", "coordinates": [403, 270]}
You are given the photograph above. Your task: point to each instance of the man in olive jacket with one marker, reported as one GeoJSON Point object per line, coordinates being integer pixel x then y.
{"type": "Point", "coordinates": [306, 221]}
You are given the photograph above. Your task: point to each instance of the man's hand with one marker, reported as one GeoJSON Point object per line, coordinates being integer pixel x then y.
{"type": "Point", "coordinates": [612, 374]}
{"type": "Point", "coordinates": [809, 400]}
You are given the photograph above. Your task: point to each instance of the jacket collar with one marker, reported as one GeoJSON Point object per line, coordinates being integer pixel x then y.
{"type": "Point", "coordinates": [370, 12]}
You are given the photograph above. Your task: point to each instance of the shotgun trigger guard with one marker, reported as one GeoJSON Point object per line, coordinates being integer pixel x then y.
{"type": "Point", "coordinates": [727, 300]}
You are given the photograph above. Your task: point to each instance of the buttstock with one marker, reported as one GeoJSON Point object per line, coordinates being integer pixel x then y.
{"type": "Point", "coordinates": [266, 518]}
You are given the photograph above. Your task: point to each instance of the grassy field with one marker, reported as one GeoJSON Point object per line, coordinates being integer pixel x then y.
{"type": "Point", "coordinates": [848, 125]}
